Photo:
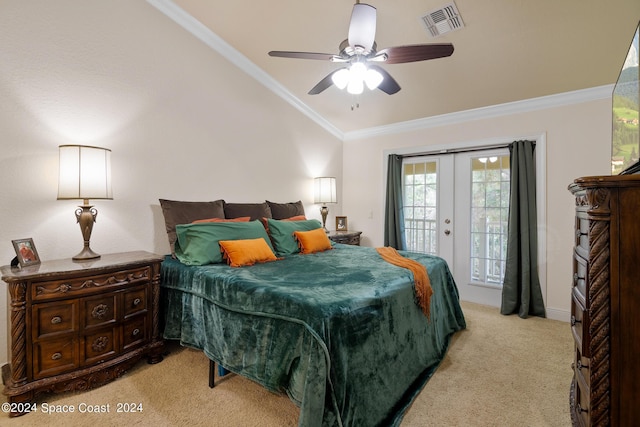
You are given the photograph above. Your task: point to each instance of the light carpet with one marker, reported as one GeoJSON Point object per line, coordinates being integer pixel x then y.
{"type": "Point", "coordinates": [500, 371]}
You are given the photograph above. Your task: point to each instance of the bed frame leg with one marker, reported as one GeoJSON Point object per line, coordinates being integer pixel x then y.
{"type": "Point", "coordinates": [212, 372]}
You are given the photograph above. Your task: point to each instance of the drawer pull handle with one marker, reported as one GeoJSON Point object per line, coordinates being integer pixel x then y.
{"type": "Point", "coordinates": [135, 332]}
{"type": "Point", "coordinates": [580, 409]}
{"type": "Point", "coordinates": [578, 233]}
{"type": "Point", "coordinates": [574, 321]}
{"type": "Point", "coordinates": [580, 365]}
{"type": "Point", "coordinates": [100, 344]}
{"type": "Point", "coordinates": [56, 319]}
{"type": "Point", "coordinates": [136, 301]}
{"type": "Point", "coordinates": [99, 311]}
{"type": "Point", "coordinates": [56, 356]}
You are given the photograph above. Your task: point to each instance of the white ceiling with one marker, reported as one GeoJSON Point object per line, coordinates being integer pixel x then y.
{"type": "Point", "coordinates": [509, 50]}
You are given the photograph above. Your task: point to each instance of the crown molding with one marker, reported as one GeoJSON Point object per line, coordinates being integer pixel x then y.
{"type": "Point", "coordinates": [483, 113]}
{"type": "Point", "coordinates": [215, 42]}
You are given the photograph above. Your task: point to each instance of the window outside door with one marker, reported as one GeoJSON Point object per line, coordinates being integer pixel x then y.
{"type": "Point", "coordinates": [456, 206]}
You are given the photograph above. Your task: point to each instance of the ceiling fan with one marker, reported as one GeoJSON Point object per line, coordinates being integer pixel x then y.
{"type": "Point", "coordinates": [359, 54]}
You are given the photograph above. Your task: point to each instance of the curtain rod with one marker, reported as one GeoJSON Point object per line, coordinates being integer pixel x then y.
{"type": "Point", "coordinates": [457, 150]}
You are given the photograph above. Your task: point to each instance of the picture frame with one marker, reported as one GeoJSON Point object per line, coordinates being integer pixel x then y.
{"type": "Point", "coordinates": [341, 223]}
{"type": "Point", "coordinates": [26, 252]}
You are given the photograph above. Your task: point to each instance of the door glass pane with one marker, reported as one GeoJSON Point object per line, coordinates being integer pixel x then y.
{"type": "Point", "coordinates": [489, 214]}
{"type": "Point", "coordinates": [420, 185]}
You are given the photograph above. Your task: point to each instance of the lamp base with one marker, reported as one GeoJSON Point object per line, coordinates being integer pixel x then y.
{"type": "Point", "coordinates": [324, 211]}
{"type": "Point", "coordinates": [85, 254]}
{"type": "Point", "coordinates": [86, 216]}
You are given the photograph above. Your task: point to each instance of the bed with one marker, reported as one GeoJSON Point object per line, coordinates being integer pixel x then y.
{"type": "Point", "coordinates": [338, 330]}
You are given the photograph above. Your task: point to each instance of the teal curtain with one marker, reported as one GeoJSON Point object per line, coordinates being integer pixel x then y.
{"type": "Point", "coordinates": [394, 218]}
{"type": "Point", "coordinates": [521, 291]}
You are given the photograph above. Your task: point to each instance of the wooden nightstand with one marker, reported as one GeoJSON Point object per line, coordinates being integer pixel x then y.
{"type": "Point", "coordinates": [346, 237]}
{"type": "Point", "coordinates": [78, 325]}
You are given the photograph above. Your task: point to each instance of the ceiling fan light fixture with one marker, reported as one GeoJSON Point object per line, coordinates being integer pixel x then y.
{"type": "Point", "coordinates": [341, 78]}
{"type": "Point", "coordinates": [359, 53]}
{"type": "Point", "coordinates": [357, 71]}
{"type": "Point", "coordinates": [362, 29]}
{"type": "Point", "coordinates": [373, 79]}
{"type": "Point", "coordinates": [355, 86]}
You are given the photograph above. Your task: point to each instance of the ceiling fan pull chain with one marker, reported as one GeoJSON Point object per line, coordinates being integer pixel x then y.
{"type": "Point", "coordinates": [355, 104]}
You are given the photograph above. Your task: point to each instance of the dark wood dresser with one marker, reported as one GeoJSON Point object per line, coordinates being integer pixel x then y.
{"type": "Point", "coordinates": [605, 301]}
{"type": "Point", "coordinates": [77, 325]}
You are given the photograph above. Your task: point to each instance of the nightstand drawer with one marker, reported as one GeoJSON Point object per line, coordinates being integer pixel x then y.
{"type": "Point", "coordinates": [582, 399]}
{"type": "Point", "coordinates": [66, 288]}
{"type": "Point", "coordinates": [134, 332]}
{"type": "Point", "coordinates": [582, 235]}
{"type": "Point", "coordinates": [580, 278]}
{"type": "Point", "coordinates": [582, 368]}
{"type": "Point", "coordinates": [100, 346]}
{"type": "Point", "coordinates": [55, 318]}
{"type": "Point", "coordinates": [580, 324]}
{"type": "Point", "coordinates": [346, 237]}
{"type": "Point", "coordinates": [135, 301]}
{"type": "Point", "coordinates": [52, 357]}
{"type": "Point", "coordinates": [100, 310]}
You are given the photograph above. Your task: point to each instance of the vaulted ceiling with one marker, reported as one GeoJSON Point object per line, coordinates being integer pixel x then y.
{"type": "Point", "coordinates": [508, 50]}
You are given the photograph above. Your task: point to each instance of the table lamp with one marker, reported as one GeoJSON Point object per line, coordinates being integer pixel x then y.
{"type": "Point", "coordinates": [325, 192]}
{"type": "Point", "coordinates": [85, 173]}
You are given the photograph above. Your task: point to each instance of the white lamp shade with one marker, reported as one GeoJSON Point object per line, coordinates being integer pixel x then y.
{"type": "Point", "coordinates": [340, 78]}
{"type": "Point", "coordinates": [357, 71]}
{"type": "Point", "coordinates": [85, 173]}
{"type": "Point", "coordinates": [325, 190]}
{"type": "Point", "coordinates": [355, 87]}
{"type": "Point", "coordinates": [373, 78]}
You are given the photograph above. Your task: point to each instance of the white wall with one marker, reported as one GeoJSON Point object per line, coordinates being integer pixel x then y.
{"type": "Point", "coordinates": [578, 143]}
{"type": "Point", "coordinates": [182, 122]}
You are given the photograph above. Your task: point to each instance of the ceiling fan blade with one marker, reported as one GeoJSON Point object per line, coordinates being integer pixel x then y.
{"type": "Point", "coordinates": [388, 85]}
{"type": "Point", "coordinates": [362, 27]}
{"type": "Point", "coordinates": [302, 55]}
{"type": "Point", "coordinates": [324, 83]}
{"type": "Point", "coordinates": [416, 52]}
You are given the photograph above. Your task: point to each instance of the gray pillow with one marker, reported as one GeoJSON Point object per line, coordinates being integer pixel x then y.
{"type": "Point", "coordinates": [286, 210]}
{"type": "Point", "coordinates": [252, 210]}
{"type": "Point", "coordinates": [178, 212]}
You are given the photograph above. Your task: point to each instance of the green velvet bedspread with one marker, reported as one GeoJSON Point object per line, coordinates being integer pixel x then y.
{"type": "Point", "coordinates": [338, 331]}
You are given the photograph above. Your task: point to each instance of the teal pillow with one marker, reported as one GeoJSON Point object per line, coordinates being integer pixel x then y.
{"type": "Point", "coordinates": [198, 244]}
{"type": "Point", "coordinates": [281, 233]}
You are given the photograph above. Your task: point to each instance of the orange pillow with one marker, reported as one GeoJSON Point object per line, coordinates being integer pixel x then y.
{"type": "Point", "coordinates": [240, 219]}
{"type": "Point", "coordinates": [239, 253]}
{"type": "Point", "coordinates": [313, 241]}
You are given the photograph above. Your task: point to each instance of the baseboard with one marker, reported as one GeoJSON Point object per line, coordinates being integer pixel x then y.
{"type": "Point", "coordinates": [552, 313]}
{"type": "Point", "coordinates": [557, 314]}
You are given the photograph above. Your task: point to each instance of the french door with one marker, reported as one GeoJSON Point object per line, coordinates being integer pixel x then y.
{"type": "Point", "coordinates": [456, 206]}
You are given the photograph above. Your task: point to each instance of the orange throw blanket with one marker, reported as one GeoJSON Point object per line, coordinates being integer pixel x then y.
{"type": "Point", "coordinates": [422, 284]}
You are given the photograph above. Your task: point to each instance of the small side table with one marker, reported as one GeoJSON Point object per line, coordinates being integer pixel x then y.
{"type": "Point", "coordinates": [78, 325]}
{"type": "Point", "coordinates": [346, 237]}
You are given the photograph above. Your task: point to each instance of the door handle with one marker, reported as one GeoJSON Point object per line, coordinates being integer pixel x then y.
{"type": "Point", "coordinates": [447, 232]}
